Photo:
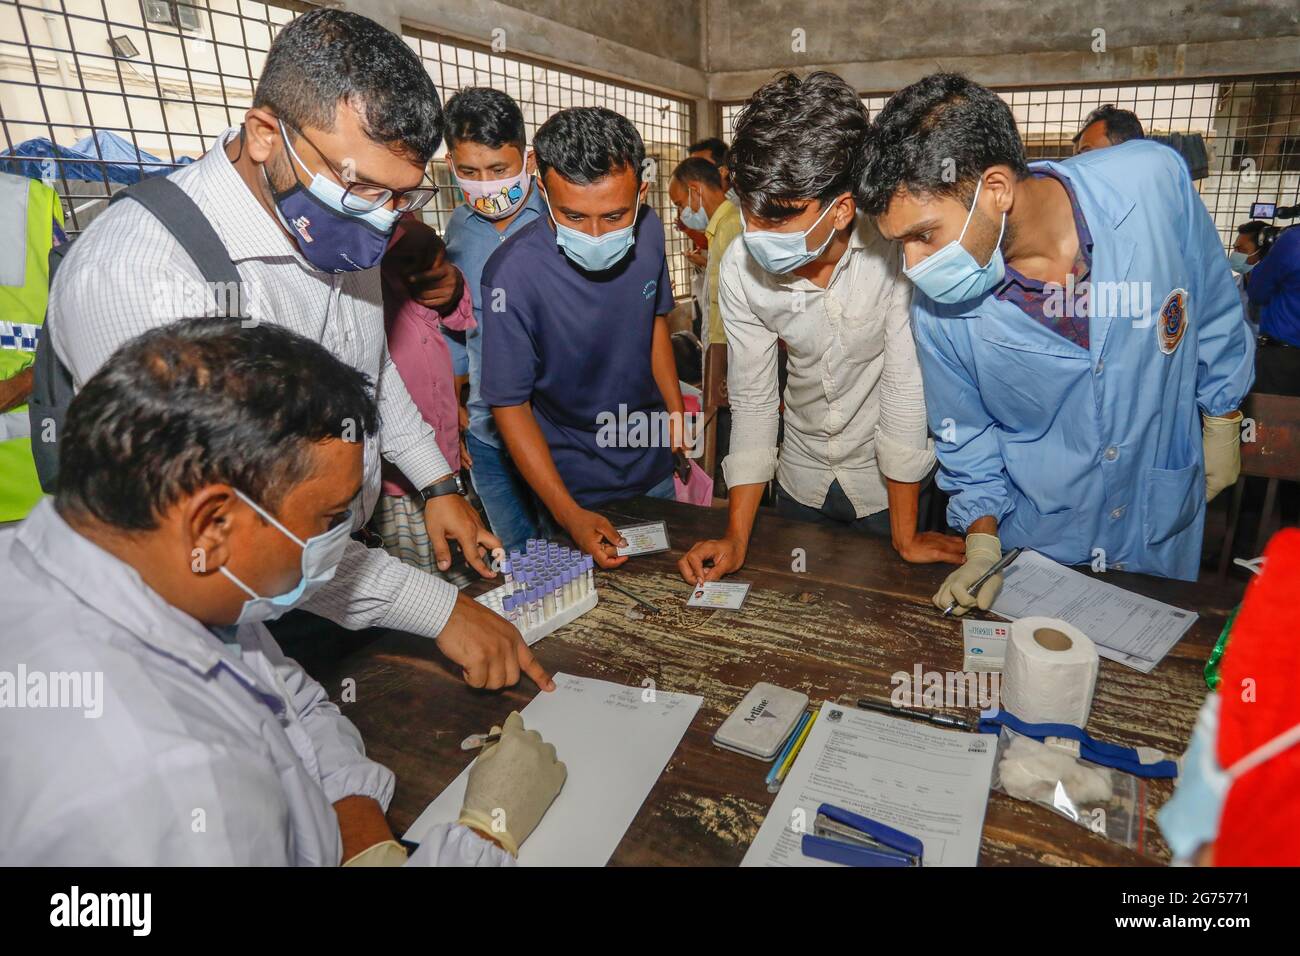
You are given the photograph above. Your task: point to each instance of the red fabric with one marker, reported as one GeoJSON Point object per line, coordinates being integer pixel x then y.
{"type": "Point", "coordinates": [1262, 810]}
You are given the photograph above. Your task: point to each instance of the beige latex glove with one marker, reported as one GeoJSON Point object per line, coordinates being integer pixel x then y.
{"type": "Point", "coordinates": [1222, 440]}
{"type": "Point", "coordinates": [388, 853]}
{"type": "Point", "coordinates": [511, 785]}
{"type": "Point", "coordinates": [982, 552]}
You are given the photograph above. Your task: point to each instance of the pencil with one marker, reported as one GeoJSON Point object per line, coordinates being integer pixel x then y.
{"type": "Point", "coordinates": [789, 744]}
{"type": "Point", "coordinates": [794, 751]}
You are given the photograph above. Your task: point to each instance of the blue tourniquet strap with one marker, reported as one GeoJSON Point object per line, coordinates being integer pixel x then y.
{"type": "Point", "coordinates": [1091, 749]}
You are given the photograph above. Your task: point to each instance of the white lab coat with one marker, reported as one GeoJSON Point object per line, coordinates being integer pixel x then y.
{"type": "Point", "coordinates": [203, 752]}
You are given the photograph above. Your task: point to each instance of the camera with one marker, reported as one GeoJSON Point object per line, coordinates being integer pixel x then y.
{"type": "Point", "coordinates": [1271, 210]}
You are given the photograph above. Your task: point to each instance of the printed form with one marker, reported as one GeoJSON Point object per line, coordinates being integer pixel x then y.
{"type": "Point", "coordinates": [1134, 630]}
{"type": "Point", "coordinates": [929, 782]}
{"type": "Point", "coordinates": [614, 741]}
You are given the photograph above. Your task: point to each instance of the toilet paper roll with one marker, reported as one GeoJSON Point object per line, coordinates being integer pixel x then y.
{"type": "Point", "coordinates": [1050, 672]}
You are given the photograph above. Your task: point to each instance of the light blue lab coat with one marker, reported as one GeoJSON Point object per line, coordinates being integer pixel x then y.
{"type": "Point", "coordinates": [1096, 454]}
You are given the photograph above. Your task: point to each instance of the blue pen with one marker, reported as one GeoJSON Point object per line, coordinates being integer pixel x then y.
{"type": "Point", "coordinates": [785, 750]}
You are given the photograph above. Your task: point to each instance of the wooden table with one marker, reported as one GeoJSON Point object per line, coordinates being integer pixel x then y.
{"type": "Point", "coordinates": [837, 630]}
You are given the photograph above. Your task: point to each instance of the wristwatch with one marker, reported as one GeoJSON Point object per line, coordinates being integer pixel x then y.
{"type": "Point", "coordinates": [451, 485]}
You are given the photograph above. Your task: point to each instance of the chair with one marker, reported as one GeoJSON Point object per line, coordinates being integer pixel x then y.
{"type": "Point", "coordinates": [1274, 454]}
{"type": "Point", "coordinates": [715, 399]}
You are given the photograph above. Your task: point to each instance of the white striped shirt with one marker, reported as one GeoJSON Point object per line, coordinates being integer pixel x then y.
{"type": "Point", "coordinates": [854, 406]}
{"type": "Point", "coordinates": [127, 274]}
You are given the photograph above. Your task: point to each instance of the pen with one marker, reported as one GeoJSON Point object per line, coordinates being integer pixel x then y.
{"type": "Point", "coordinates": [635, 597]}
{"type": "Point", "coordinates": [475, 741]}
{"type": "Point", "coordinates": [943, 720]}
{"type": "Point", "coordinates": [983, 578]}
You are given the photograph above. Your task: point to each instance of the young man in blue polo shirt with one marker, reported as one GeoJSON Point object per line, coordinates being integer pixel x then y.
{"type": "Point", "coordinates": [575, 332]}
{"type": "Point", "coordinates": [487, 156]}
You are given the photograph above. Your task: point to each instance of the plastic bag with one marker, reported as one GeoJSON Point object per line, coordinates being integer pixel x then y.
{"type": "Point", "coordinates": [1106, 801]}
{"type": "Point", "coordinates": [697, 491]}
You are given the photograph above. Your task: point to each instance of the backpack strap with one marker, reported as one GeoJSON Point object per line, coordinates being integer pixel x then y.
{"type": "Point", "coordinates": [52, 387]}
{"type": "Point", "coordinates": [173, 207]}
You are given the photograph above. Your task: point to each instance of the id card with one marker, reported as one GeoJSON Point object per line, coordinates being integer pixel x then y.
{"type": "Point", "coordinates": [719, 595]}
{"type": "Point", "coordinates": [644, 538]}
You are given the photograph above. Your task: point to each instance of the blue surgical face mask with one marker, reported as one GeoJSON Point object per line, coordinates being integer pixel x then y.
{"type": "Point", "coordinates": [1191, 817]}
{"type": "Point", "coordinates": [952, 275]}
{"type": "Point", "coordinates": [1238, 262]}
{"type": "Point", "coordinates": [782, 252]}
{"type": "Point", "coordinates": [330, 236]}
{"type": "Point", "coordinates": [320, 559]}
{"type": "Point", "coordinates": [696, 219]}
{"type": "Point", "coordinates": [593, 253]}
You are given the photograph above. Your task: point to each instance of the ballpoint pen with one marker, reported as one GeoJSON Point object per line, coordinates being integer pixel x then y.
{"type": "Point", "coordinates": [983, 578]}
{"type": "Point", "coordinates": [943, 720]}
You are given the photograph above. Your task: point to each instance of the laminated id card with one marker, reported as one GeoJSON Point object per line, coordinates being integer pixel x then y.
{"type": "Point", "coordinates": [762, 721]}
{"type": "Point", "coordinates": [648, 538]}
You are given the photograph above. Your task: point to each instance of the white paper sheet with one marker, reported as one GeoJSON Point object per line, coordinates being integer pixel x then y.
{"type": "Point", "coordinates": [615, 745]}
{"type": "Point", "coordinates": [926, 781]}
{"type": "Point", "coordinates": [1134, 630]}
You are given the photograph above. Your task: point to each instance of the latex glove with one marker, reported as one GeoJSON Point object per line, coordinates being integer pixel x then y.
{"type": "Point", "coordinates": [388, 853]}
{"type": "Point", "coordinates": [982, 552]}
{"type": "Point", "coordinates": [1222, 440]}
{"type": "Point", "coordinates": [511, 785]}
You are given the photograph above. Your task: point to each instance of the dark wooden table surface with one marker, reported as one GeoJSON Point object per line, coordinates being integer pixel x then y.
{"type": "Point", "coordinates": [837, 630]}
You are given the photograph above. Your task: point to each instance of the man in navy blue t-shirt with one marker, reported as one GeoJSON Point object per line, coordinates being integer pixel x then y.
{"type": "Point", "coordinates": [577, 361]}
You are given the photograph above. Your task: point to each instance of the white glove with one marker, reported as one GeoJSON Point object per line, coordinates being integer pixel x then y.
{"type": "Point", "coordinates": [511, 785]}
{"type": "Point", "coordinates": [982, 552]}
{"type": "Point", "coordinates": [388, 853]}
{"type": "Point", "coordinates": [1221, 439]}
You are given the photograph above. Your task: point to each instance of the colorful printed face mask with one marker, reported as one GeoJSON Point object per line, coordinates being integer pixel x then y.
{"type": "Point", "coordinates": [496, 198]}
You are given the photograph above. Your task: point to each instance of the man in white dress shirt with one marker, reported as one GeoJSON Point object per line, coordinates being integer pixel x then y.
{"type": "Point", "coordinates": [147, 716]}
{"type": "Point", "coordinates": [344, 116]}
{"type": "Point", "coordinates": [812, 273]}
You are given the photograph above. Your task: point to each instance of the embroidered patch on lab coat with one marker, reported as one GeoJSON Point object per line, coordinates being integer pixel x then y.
{"type": "Point", "coordinates": [1173, 320]}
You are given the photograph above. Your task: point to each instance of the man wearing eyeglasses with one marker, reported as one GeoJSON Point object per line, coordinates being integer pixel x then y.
{"type": "Point", "coordinates": [305, 196]}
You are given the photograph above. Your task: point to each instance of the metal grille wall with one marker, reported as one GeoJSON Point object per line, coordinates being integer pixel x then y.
{"type": "Point", "coordinates": [540, 89]}
{"type": "Point", "coordinates": [1242, 132]}
{"type": "Point", "coordinates": [96, 93]}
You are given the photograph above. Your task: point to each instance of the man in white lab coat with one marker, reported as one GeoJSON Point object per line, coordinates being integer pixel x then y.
{"type": "Point", "coordinates": [148, 717]}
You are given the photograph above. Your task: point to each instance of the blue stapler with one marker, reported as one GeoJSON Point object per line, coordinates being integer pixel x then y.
{"type": "Point", "coordinates": [843, 837]}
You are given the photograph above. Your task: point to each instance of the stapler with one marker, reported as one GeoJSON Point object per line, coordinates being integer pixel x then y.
{"type": "Point", "coordinates": [840, 836]}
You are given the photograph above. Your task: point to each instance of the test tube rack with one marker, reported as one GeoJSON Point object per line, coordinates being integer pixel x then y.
{"type": "Point", "coordinates": [492, 600]}
{"type": "Point", "coordinates": [546, 587]}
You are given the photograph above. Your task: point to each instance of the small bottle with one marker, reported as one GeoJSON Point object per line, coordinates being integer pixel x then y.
{"type": "Point", "coordinates": [587, 565]}
{"type": "Point", "coordinates": [548, 601]}
{"type": "Point", "coordinates": [534, 607]}
{"type": "Point", "coordinates": [507, 573]}
{"type": "Point", "coordinates": [561, 599]}
{"type": "Point", "coordinates": [508, 607]}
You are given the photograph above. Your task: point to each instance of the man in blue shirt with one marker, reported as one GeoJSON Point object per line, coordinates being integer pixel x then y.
{"type": "Point", "coordinates": [577, 361]}
{"type": "Point", "coordinates": [1083, 347]}
{"type": "Point", "coordinates": [1274, 286]}
{"type": "Point", "coordinates": [487, 156]}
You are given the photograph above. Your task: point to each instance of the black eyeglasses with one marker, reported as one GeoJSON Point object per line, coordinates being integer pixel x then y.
{"type": "Point", "coordinates": [363, 197]}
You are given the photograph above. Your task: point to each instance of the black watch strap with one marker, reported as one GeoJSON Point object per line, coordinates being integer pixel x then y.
{"type": "Point", "coordinates": [450, 485]}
